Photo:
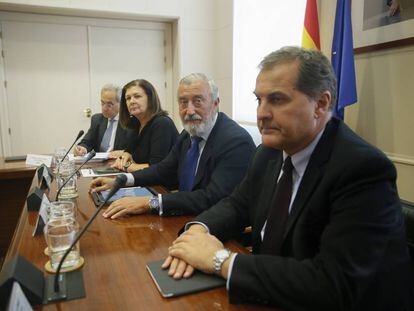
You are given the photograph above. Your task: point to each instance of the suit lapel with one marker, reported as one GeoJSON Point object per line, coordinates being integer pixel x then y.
{"type": "Point", "coordinates": [207, 151]}
{"type": "Point", "coordinates": [307, 185]}
{"type": "Point", "coordinates": [102, 128]}
{"type": "Point", "coordinates": [313, 173]}
{"type": "Point", "coordinates": [183, 152]}
{"type": "Point", "coordinates": [205, 156]}
{"type": "Point", "coordinates": [118, 136]}
{"type": "Point", "coordinates": [265, 201]}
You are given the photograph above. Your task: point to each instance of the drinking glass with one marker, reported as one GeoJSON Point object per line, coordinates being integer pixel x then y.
{"type": "Point", "coordinates": [66, 170]}
{"type": "Point", "coordinates": [57, 158]}
{"type": "Point", "coordinates": [60, 233]}
{"type": "Point", "coordinates": [61, 209]}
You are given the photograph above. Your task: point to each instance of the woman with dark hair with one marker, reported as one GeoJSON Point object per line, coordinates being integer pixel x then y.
{"type": "Point", "coordinates": [141, 110]}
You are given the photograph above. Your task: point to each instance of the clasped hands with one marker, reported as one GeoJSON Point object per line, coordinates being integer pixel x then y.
{"type": "Point", "coordinates": [194, 249]}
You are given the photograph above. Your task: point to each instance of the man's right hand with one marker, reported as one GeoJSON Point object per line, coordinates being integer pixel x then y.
{"type": "Point", "coordinates": [101, 183]}
{"type": "Point", "coordinates": [178, 268]}
{"type": "Point", "coordinates": [79, 151]}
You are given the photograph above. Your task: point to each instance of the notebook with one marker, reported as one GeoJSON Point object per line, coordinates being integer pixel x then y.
{"type": "Point", "coordinates": [169, 287]}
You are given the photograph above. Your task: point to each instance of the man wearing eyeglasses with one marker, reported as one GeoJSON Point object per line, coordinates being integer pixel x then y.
{"type": "Point", "coordinates": [105, 135]}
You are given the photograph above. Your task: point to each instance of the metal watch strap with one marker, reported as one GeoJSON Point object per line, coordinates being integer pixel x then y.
{"type": "Point", "coordinates": [219, 258]}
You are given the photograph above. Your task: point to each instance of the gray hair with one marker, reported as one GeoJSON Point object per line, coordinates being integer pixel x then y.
{"type": "Point", "coordinates": [193, 77]}
{"type": "Point", "coordinates": [112, 88]}
{"type": "Point", "coordinates": [315, 74]}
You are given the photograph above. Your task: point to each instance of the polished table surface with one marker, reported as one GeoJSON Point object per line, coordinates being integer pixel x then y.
{"type": "Point", "coordinates": [116, 253]}
{"type": "Point", "coordinates": [15, 169]}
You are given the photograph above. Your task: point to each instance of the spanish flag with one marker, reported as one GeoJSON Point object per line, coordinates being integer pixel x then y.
{"type": "Point", "coordinates": [310, 37]}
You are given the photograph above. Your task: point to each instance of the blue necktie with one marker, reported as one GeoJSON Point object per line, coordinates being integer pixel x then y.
{"type": "Point", "coordinates": [106, 139]}
{"type": "Point", "coordinates": [188, 171]}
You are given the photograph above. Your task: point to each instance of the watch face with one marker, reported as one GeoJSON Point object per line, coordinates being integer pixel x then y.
{"type": "Point", "coordinates": [223, 253]}
{"type": "Point", "coordinates": [153, 203]}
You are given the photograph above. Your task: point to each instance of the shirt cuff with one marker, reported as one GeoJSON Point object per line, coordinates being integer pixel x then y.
{"type": "Point", "coordinates": [130, 179]}
{"type": "Point", "coordinates": [232, 258]}
{"type": "Point", "coordinates": [189, 224]}
{"type": "Point", "coordinates": [160, 212]}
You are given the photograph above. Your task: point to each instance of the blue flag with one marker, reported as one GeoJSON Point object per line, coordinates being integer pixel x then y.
{"type": "Point", "coordinates": [343, 58]}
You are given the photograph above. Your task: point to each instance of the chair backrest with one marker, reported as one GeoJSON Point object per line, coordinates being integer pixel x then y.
{"type": "Point", "coordinates": [408, 211]}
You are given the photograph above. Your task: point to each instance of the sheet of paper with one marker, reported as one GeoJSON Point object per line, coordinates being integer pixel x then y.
{"type": "Point", "coordinates": [47, 178]}
{"type": "Point", "coordinates": [38, 159]}
{"type": "Point", "coordinates": [42, 217]}
{"type": "Point", "coordinates": [43, 208]}
{"type": "Point", "coordinates": [18, 300]}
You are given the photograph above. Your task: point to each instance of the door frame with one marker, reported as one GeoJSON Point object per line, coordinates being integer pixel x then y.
{"type": "Point", "coordinates": [172, 29]}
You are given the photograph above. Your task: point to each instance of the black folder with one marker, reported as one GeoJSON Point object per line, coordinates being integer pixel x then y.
{"type": "Point", "coordinates": [106, 170]}
{"type": "Point", "coordinates": [169, 287]}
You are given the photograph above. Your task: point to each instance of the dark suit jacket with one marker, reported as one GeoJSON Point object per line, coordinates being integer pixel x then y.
{"type": "Point", "coordinates": [93, 138]}
{"type": "Point", "coordinates": [154, 142]}
{"type": "Point", "coordinates": [222, 165]}
{"type": "Point", "coordinates": [344, 246]}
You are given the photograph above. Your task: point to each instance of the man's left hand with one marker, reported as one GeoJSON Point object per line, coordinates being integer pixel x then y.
{"type": "Point", "coordinates": [197, 249]}
{"type": "Point", "coordinates": [127, 206]}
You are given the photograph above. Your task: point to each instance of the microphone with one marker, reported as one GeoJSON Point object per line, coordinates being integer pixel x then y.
{"type": "Point", "coordinates": [90, 156]}
{"type": "Point", "coordinates": [120, 181]}
{"type": "Point", "coordinates": [70, 148]}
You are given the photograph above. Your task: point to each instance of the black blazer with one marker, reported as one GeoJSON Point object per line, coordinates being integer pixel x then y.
{"type": "Point", "coordinates": [154, 142]}
{"type": "Point", "coordinates": [93, 138]}
{"type": "Point", "coordinates": [344, 246]}
{"type": "Point", "coordinates": [222, 165]}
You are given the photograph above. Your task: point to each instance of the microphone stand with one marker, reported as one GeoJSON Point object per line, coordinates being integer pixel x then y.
{"type": "Point", "coordinates": [59, 291]}
{"type": "Point", "coordinates": [67, 152]}
{"type": "Point", "coordinates": [90, 156]}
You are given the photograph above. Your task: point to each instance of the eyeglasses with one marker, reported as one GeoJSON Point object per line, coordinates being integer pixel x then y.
{"type": "Point", "coordinates": [109, 105]}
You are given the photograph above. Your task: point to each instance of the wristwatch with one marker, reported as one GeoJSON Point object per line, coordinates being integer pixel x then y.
{"type": "Point", "coordinates": [219, 257]}
{"type": "Point", "coordinates": [154, 204]}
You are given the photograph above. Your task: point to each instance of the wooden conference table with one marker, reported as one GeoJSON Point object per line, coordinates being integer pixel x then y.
{"type": "Point", "coordinates": [116, 253]}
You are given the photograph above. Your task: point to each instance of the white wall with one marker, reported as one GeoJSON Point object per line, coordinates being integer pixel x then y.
{"type": "Point", "coordinates": [224, 54]}
{"type": "Point", "coordinates": [202, 30]}
{"type": "Point", "coordinates": [383, 113]}
{"type": "Point", "coordinates": [1, 146]}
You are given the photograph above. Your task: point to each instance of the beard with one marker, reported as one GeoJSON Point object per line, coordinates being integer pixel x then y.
{"type": "Point", "coordinates": [198, 129]}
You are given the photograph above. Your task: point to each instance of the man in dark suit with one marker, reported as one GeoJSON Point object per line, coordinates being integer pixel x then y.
{"type": "Point", "coordinates": [327, 227]}
{"type": "Point", "coordinates": [206, 163]}
{"type": "Point", "coordinates": [105, 133]}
